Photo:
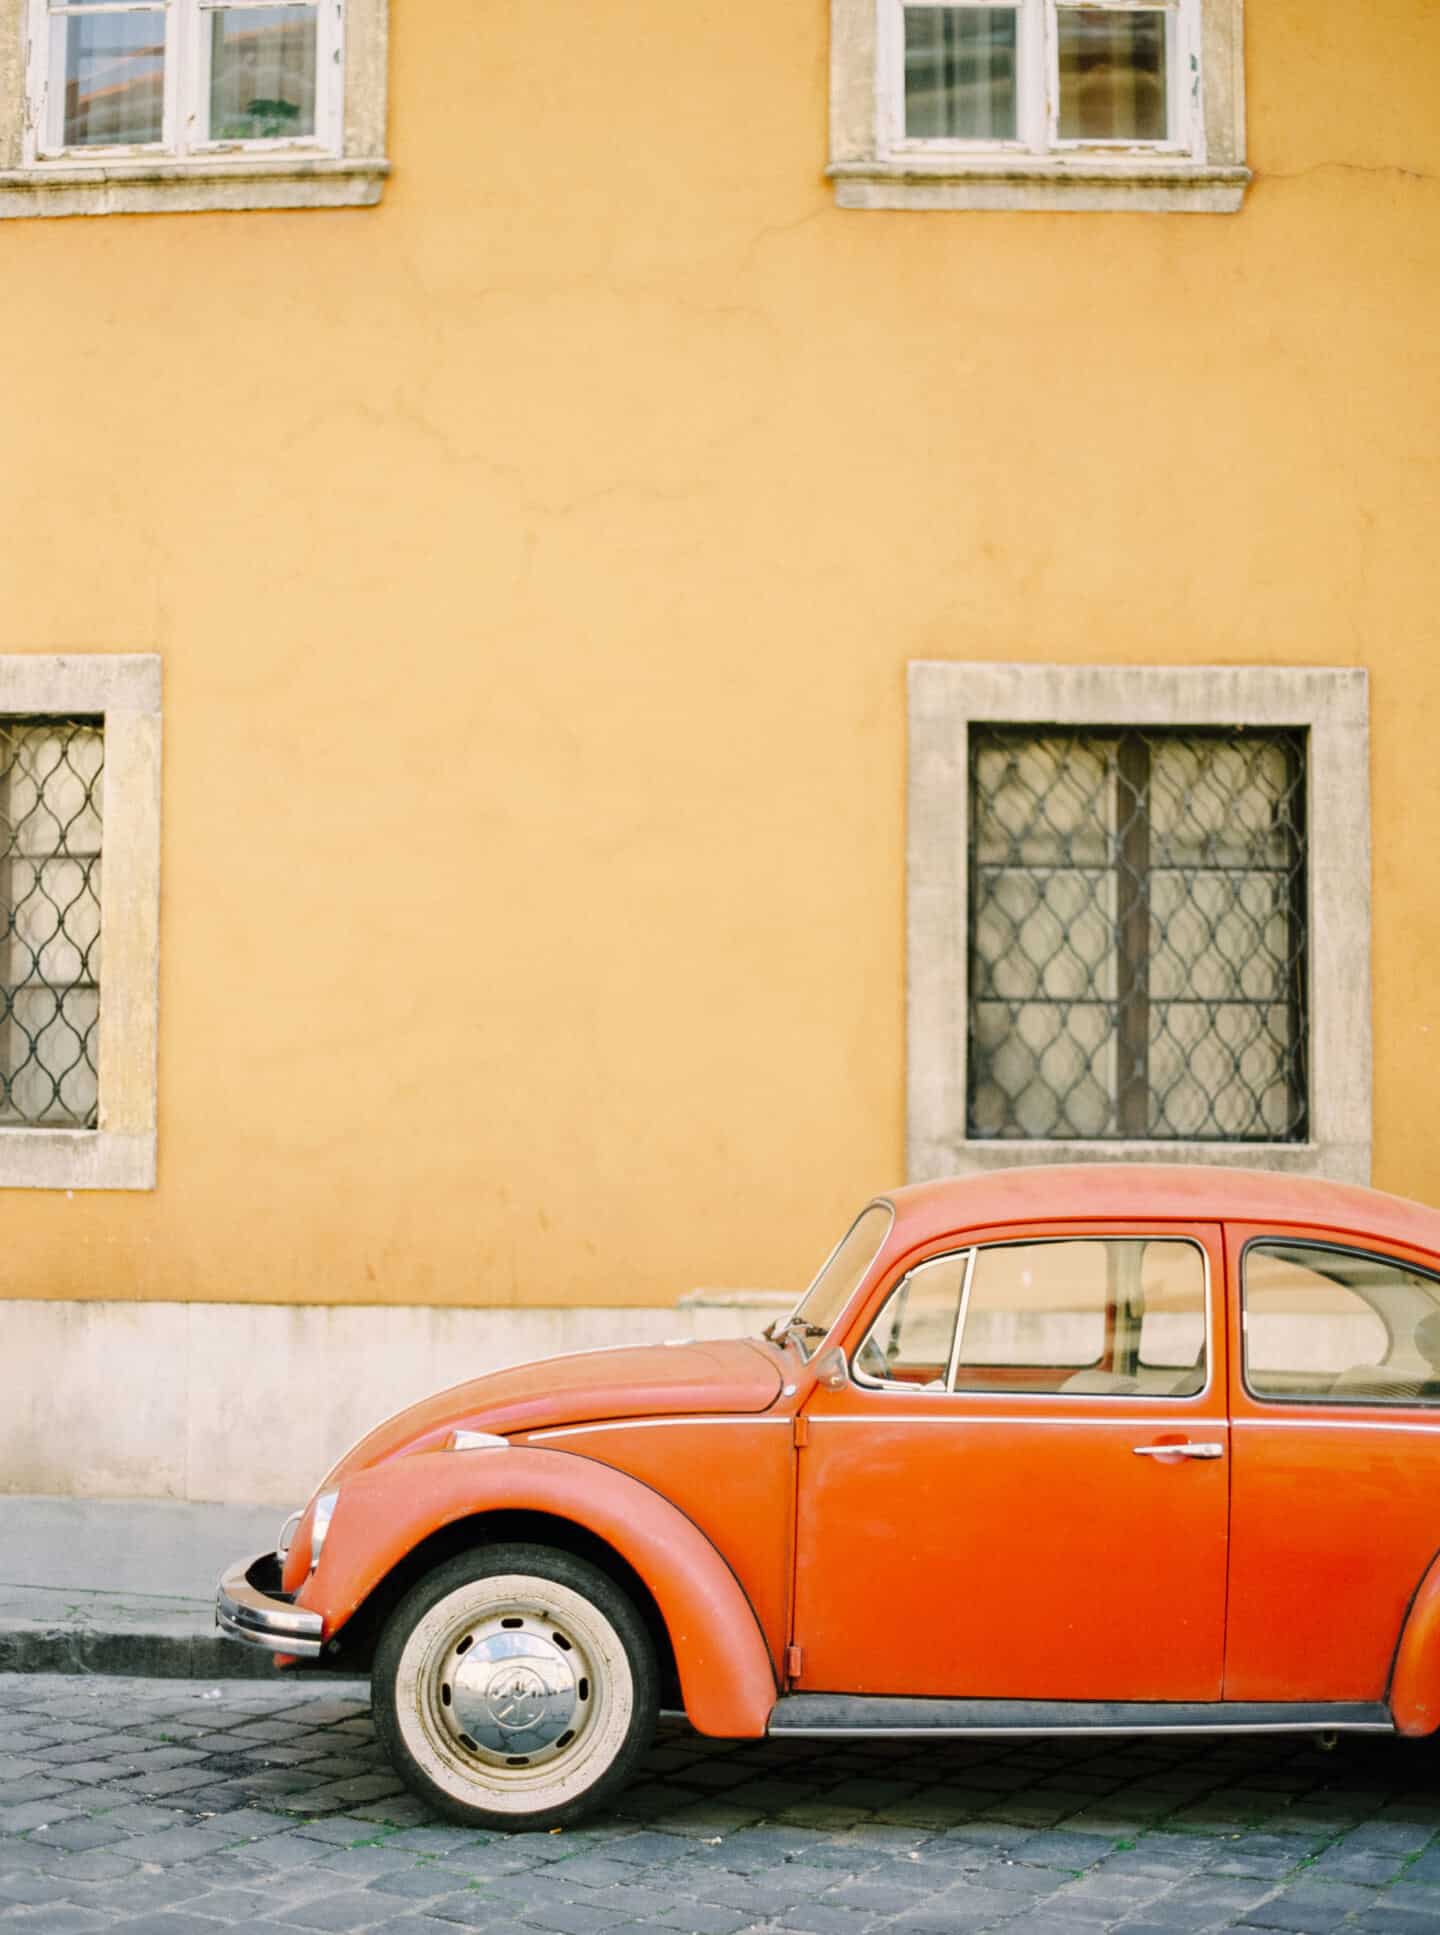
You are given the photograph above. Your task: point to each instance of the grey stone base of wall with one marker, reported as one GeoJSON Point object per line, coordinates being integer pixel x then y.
{"type": "Point", "coordinates": [254, 1402]}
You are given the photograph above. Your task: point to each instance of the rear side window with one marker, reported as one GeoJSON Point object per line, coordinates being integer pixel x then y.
{"type": "Point", "coordinates": [1323, 1322]}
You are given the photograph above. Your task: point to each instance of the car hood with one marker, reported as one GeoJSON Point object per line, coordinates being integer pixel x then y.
{"type": "Point", "coordinates": [640, 1381]}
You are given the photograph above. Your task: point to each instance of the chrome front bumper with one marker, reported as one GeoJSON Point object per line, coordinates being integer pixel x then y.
{"type": "Point", "coordinates": [249, 1605]}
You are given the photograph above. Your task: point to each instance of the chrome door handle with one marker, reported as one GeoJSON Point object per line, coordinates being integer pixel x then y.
{"type": "Point", "coordinates": [1179, 1451]}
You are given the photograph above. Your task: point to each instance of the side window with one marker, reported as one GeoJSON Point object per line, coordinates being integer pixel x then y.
{"type": "Point", "coordinates": [1109, 1317]}
{"type": "Point", "coordinates": [1330, 1323]}
{"type": "Point", "coordinates": [911, 1340]}
{"type": "Point", "coordinates": [1120, 1317]}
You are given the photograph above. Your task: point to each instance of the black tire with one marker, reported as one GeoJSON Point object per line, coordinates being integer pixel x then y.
{"type": "Point", "coordinates": [515, 1687]}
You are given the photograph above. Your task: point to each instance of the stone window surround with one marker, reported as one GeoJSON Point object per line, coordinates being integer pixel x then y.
{"type": "Point", "coordinates": [1212, 181]}
{"type": "Point", "coordinates": [1332, 704]}
{"type": "Point", "coordinates": [252, 179]}
{"type": "Point", "coordinates": [125, 690]}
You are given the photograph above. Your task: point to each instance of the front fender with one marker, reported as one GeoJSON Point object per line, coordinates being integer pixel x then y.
{"type": "Point", "coordinates": [384, 1512]}
{"type": "Point", "coordinates": [1415, 1679]}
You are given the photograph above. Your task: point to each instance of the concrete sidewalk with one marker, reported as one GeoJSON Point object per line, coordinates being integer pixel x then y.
{"type": "Point", "coordinates": [124, 1586]}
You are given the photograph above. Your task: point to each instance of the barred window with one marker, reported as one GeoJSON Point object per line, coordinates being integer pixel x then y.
{"type": "Point", "coordinates": [1137, 937]}
{"type": "Point", "coordinates": [50, 839]}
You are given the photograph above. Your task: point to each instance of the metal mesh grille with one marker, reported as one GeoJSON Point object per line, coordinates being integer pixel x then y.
{"type": "Point", "coordinates": [1137, 935]}
{"type": "Point", "coordinates": [50, 823]}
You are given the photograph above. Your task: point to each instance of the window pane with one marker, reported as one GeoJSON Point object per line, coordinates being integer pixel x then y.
{"type": "Point", "coordinates": [1332, 1323]}
{"type": "Point", "coordinates": [1108, 1318]}
{"type": "Point", "coordinates": [848, 1263]}
{"type": "Point", "coordinates": [960, 73]}
{"type": "Point", "coordinates": [910, 1340]}
{"type": "Point", "coordinates": [114, 76]}
{"type": "Point", "coordinates": [51, 788]}
{"type": "Point", "coordinates": [1112, 75]}
{"type": "Point", "coordinates": [262, 73]}
{"type": "Point", "coordinates": [1137, 935]}
{"type": "Point", "coordinates": [1036, 1305]}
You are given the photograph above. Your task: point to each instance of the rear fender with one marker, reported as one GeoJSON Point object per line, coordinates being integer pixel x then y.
{"type": "Point", "coordinates": [384, 1512]}
{"type": "Point", "coordinates": [1415, 1679]}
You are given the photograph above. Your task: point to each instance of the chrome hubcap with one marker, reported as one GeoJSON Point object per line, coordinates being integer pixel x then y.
{"type": "Point", "coordinates": [514, 1689]}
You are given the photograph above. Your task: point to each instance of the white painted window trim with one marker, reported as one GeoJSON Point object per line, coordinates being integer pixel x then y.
{"type": "Point", "coordinates": [125, 690]}
{"type": "Point", "coordinates": [342, 165]}
{"type": "Point", "coordinates": [1332, 705]}
{"type": "Point", "coordinates": [873, 166]}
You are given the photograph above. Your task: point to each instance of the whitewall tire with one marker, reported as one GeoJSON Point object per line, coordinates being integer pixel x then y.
{"type": "Point", "coordinates": [515, 1686]}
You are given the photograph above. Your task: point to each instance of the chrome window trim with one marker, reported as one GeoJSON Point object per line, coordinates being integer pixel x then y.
{"type": "Point", "coordinates": [778, 1329]}
{"type": "Point", "coordinates": [962, 1317]}
{"type": "Point", "coordinates": [898, 1384]}
{"type": "Point", "coordinates": [860, 1381]}
{"type": "Point", "coordinates": [1324, 1397]}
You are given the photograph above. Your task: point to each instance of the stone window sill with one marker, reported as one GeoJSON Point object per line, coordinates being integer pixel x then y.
{"type": "Point", "coordinates": [155, 187]}
{"type": "Point", "coordinates": [1343, 1162]}
{"type": "Point", "coordinates": [76, 1159]}
{"type": "Point", "coordinates": [1009, 183]}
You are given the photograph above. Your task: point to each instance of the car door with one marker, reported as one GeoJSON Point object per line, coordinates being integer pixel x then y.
{"type": "Point", "coordinates": [1336, 1469]}
{"type": "Point", "coordinates": [1019, 1487]}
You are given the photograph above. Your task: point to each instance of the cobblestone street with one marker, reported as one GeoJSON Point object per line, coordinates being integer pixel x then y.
{"type": "Point", "coordinates": [176, 1808]}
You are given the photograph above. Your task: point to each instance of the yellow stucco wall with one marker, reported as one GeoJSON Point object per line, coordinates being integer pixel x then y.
{"type": "Point", "coordinates": [535, 561]}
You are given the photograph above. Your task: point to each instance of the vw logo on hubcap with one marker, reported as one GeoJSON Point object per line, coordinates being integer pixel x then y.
{"type": "Point", "coordinates": [513, 1693]}
{"type": "Point", "coordinates": [516, 1698]}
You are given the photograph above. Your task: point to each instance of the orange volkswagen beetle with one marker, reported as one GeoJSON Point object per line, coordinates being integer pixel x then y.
{"type": "Point", "coordinates": [1107, 1448]}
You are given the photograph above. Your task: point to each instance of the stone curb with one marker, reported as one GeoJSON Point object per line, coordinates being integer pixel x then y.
{"type": "Point", "coordinates": [146, 1655]}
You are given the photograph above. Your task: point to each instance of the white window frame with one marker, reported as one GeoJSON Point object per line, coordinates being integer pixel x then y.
{"type": "Point", "coordinates": [1330, 705]}
{"type": "Point", "coordinates": [342, 164]}
{"type": "Point", "coordinates": [125, 690]}
{"type": "Point", "coordinates": [187, 81]}
{"type": "Point", "coordinates": [1200, 166]}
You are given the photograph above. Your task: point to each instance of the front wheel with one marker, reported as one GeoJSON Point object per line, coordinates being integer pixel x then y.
{"type": "Point", "coordinates": [515, 1687]}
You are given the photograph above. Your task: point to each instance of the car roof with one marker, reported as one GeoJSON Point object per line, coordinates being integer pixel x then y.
{"type": "Point", "coordinates": [1133, 1191]}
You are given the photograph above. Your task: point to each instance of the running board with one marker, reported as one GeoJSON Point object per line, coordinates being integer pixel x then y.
{"type": "Point", "coordinates": [877, 1713]}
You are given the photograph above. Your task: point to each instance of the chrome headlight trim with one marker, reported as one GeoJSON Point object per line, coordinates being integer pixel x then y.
{"type": "Point", "coordinates": [287, 1535]}
{"type": "Point", "coordinates": [320, 1525]}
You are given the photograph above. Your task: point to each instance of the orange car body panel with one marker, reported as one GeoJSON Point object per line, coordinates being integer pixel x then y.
{"type": "Point", "coordinates": [386, 1510]}
{"type": "Point", "coordinates": [1334, 1520]}
{"type": "Point", "coordinates": [969, 1533]}
{"type": "Point", "coordinates": [734, 1478]}
{"type": "Point", "coordinates": [645, 1380]}
{"type": "Point", "coordinates": [1415, 1681]}
{"type": "Point", "coordinates": [1003, 1543]}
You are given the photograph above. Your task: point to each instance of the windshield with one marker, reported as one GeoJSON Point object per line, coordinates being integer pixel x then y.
{"type": "Point", "coordinates": [837, 1282]}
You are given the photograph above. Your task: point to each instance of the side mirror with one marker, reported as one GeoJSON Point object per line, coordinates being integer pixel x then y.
{"type": "Point", "coordinates": [831, 1370]}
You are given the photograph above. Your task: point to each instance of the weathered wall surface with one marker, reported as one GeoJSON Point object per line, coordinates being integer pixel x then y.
{"type": "Point", "coordinates": [535, 559]}
{"type": "Point", "coordinates": [247, 1402]}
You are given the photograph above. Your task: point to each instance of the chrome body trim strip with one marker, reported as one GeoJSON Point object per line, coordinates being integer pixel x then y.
{"type": "Point", "coordinates": [1060, 1732]}
{"type": "Point", "coordinates": [476, 1441]}
{"type": "Point", "coordinates": [650, 1424]}
{"type": "Point", "coordinates": [248, 1608]}
{"type": "Point", "coordinates": [1131, 1421]}
{"type": "Point", "coordinates": [1344, 1424]}
{"type": "Point", "coordinates": [818, 1715]}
